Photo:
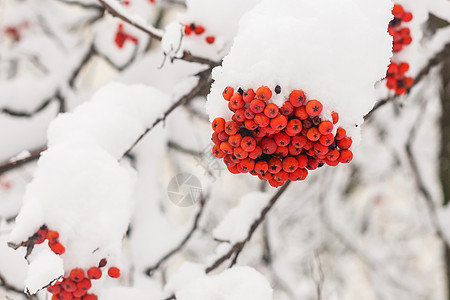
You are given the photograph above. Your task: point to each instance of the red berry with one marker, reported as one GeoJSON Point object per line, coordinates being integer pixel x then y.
{"type": "Point", "coordinates": [403, 68]}
{"type": "Point", "coordinates": [257, 106]}
{"type": "Point", "coordinates": [231, 128]}
{"type": "Point", "coordinates": [54, 289]}
{"type": "Point", "coordinates": [320, 149]}
{"type": "Point", "coordinates": [57, 248]}
{"type": "Point", "coordinates": [297, 98]}
{"type": "Point", "coordinates": [333, 155]}
{"type": "Point", "coordinates": [335, 117]}
{"type": "Point", "coordinates": [199, 29]}
{"type": "Point", "coordinates": [187, 29]}
{"type": "Point", "coordinates": [218, 125]}
{"type": "Point", "coordinates": [218, 152]}
{"type": "Point", "coordinates": [275, 165]}
{"type": "Point", "coordinates": [236, 102]}
{"type": "Point", "coordinates": [346, 156]}
{"type": "Point", "coordinates": [279, 122]}
{"type": "Point", "coordinates": [281, 176]}
{"type": "Point", "coordinates": [340, 133]}
{"type": "Point", "coordinates": [55, 297]}
{"type": "Point", "coordinates": [293, 127]}
{"type": "Point", "coordinates": [299, 141]}
{"type": "Point", "coordinates": [240, 153]}
{"type": "Point", "coordinates": [261, 167]}
{"type": "Point", "coordinates": [223, 136]}
{"type": "Point", "coordinates": [262, 120]}
{"type": "Point", "coordinates": [226, 148]}
{"type": "Point", "coordinates": [79, 293]}
{"type": "Point", "coordinates": [300, 112]}
{"type": "Point", "coordinates": [302, 161]}
{"type": "Point", "coordinates": [240, 115]}
{"type": "Point", "coordinates": [313, 134]}
{"type": "Point", "coordinates": [397, 11]}
{"type": "Point", "coordinates": [281, 151]}
{"type": "Point", "coordinates": [247, 165]}
{"type": "Point", "coordinates": [282, 139]}
{"type": "Point", "coordinates": [41, 235]}
{"type": "Point", "coordinates": [210, 39]}
{"type": "Point", "coordinates": [407, 16]}
{"type": "Point", "coordinates": [65, 295]}
{"type": "Point", "coordinates": [332, 163]}
{"type": "Point", "coordinates": [86, 284]}
{"type": "Point", "coordinates": [249, 95]}
{"type": "Point", "coordinates": [228, 93]}
{"type": "Point", "coordinates": [90, 297]}
{"type": "Point", "coordinates": [271, 110]}
{"type": "Point", "coordinates": [325, 127]}
{"type": "Point", "coordinates": [248, 143]}
{"type": "Point", "coordinates": [314, 108]}
{"type": "Point", "coordinates": [114, 272]}
{"type": "Point", "coordinates": [233, 169]}
{"type": "Point", "coordinates": [77, 274]}
{"type": "Point", "coordinates": [52, 236]}
{"type": "Point", "coordinates": [96, 273]}
{"type": "Point", "coordinates": [312, 163]}
{"type": "Point", "coordinates": [68, 285]}
{"type": "Point", "coordinates": [287, 109]}
{"type": "Point", "coordinates": [235, 140]}
{"type": "Point", "coordinates": [327, 139]}
{"type": "Point", "coordinates": [344, 143]}
{"type": "Point", "coordinates": [268, 146]}
{"type": "Point", "coordinates": [264, 93]}
{"type": "Point", "coordinates": [290, 164]}
{"type": "Point", "coordinates": [255, 153]}
{"type": "Point", "coordinates": [294, 151]}
{"type": "Point", "coordinates": [250, 124]}
{"type": "Point", "coordinates": [249, 114]}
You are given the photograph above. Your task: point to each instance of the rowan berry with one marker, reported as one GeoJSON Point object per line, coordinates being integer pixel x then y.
{"type": "Point", "coordinates": [346, 156]}
{"type": "Point", "coordinates": [90, 297]}
{"type": "Point", "coordinates": [255, 153]}
{"type": "Point", "coordinates": [233, 169]}
{"type": "Point", "coordinates": [333, 155]}
{"type": "Point", "coordinates": [281, 176]}
{"type": "Point", "coordinates": [261, 167]}
{"type": "Point", "coordinates": [94, 273]}
{"type": "Point", "coordinates": [340, 134]}
{"type": "Point", "coordinates": [268, 146]}
{"type": "Point", "coordinates": [408, 81]}
{"type": "Point", "coordinates": [250, 124]}
{"type": "Point", "coordinates": [240, 115]}
{"type": "Point", "coordinates": [297, 98]}
{"type": "Point", "coordinates": [296, 175]}
{"type": "Point", "coordinates": [226, 148]}
{"type": "Point", "coordinates": [223, 136]}
{"type": "Point", "coordinates": [308, 145]}
{"type": "Point", "coordinates": [240, 153]}
{"type": "Point", "coordinates": [287, 109]}
{"type": "Point", "coordinates": [281, 151]}
{"type": "Point", "coordinates": [218, 125]}
{"type": "Point", "coordinates": [65, 295]}
{"type": "Point", "coordinates": [210, 39]}
{"type": "Point", "coordinates": [320, 149]}
{"type": "Point", "coordinates": [114, 272]}
{"type": "Point", "coordinates": [298, 141]}
{"type": "Point", "coordinates": [325, 127]}
{"type": "Point", "coordinates": [52, 236]}
{"type": "Point", "coordinates": [228, 93]}
{"type": "Point", "coordinates": [314, 108]}
{"type": "Point", "coordinates": [275, 165]}
{"type": "Point", "coordinates": [262, 120]}
{"type": "Point", "coordinates": [313, 134]}
{"type": "Point", "coordinates": [335, 117]}
{"type": "Point", "coordinates": [41, 235]}
{"type": "Point", "coordinates": [236, 102]}
{"type": "Point", "coordinates": [407, 16]}
{"type": "Point", "coordinates": [247, 165]}
{"type": "Point", "coordinates": [263, 93]}
{"type": "Point", "coordinates": [397, 11]}
{"type": "Point", "coordinates": [294, 151]}
{"type": "Point", "coordinates": [282, 139]}
{"type": "Point", "coordinates": [265, 175]}
{"type": "Point", "coordinates": [300, 112]}
{"type": "Point", "coordinates": [249, 114]}
{"type": "Point", "coordinates": [76, 274]}
{"type": "Point", "coordinates": [290, 164]}
{"type": "Point", "coordinates": [79, 293]}
{"type": "Point", "coordinates": [257, 106]}
{"type": "Point", "coordinates": [312, 164]}
{"type": "Point", "coordinates": [187, 29]}
{"type": "Point", "coordinates": [271, 110]}
{"type": "Point", "coordinates": [55, 297]}
{"type": "Point", "coordinates": [54, 289]}
{"type": "Point", "coordinates": [345, 143]}
{"type": "Point", "coordinates": [279, 122]}
{"type": "Point", "coordinates": [57, 248]}
{"type": "Point", "coordinates": [218, 152]}
{"type": "Point", "coordinates": [248, 143]}
{"type": "Point", "coordinates": [327, 139]}
{"type": "Point", "coordinates": [249, 95]}
{"type": "Point", "coordinates": [231, 128]}
{"type": "Point", "coordinates": [86, 284]}
{"type": "Point", "coordinates": [68, 285]}
{"type": "Point", "coordinates": [199, 29]}
{"type": "Point", "coordinates": [293, 127]}
{"type": "Point", "coordinates": [235, 140]}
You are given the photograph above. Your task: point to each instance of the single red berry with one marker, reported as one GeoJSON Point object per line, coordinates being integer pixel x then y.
{"type": "Point", "coordinates": [215, 138]}
{"type": "Point", "coordinates": [397, 11]}
{"type": "Point", "coordinates": [68, 285]}
{"type": "Point", "coordinates": [240, 153]}
{"type": "Point", "coordinates": [344, 143]}
{"type": "Point", "coordinates": [261, 167]}
{"type": "Point", "coordinates": [57, 248]}
{"type": "Point", "coordinates": [65, 295]}
{"type": "Point", "coordinates": [400, 91]}
{"type": "Point", "coordinates": [281, 176]}
{"type": "Point", "coordinates": [226, 148]}
{"type": "Point", "coordinates": [290, 164]}
{"type": "Point", "coordinates": [332, 163]}
{"type": "Point", "coordinates": [265, 176]}
{"type": "Point", "coordinates": [299, 141]}
{"type": "Point", "coordinates": [340, 134]}
{"type": "Point", "coordinates": [312, 164]}
{"type": "Point", "coordinates": [240, 115]}
{"type": "Point", "coordinates": [89, 297]}
{"type": "Point", "coordinates": [248, 143]}
{"type": "Point", "coordinates": [274, 183]}
{"type": "Point", "coordinates": [41, 235]}
{"type": "Point", "coordinates": [223, 136]}
{"type": "Point", "coordinates": [408, 81]}
{"type": "Point", "coordinates": [296, 175]}
{"type": "Point", "coordinates": [279, 122]}
{"type": "Point", "coordinates": [228, 161]}
{"type": "Point", "coordinates": [314, 108]}
{"type": "Point", "coordinates": [55, 297]}
{"type": "Point", "coordinates": [297, 98]}
{"type": "Point", "coordinates": [54, 289]}
{"type": "Point", "coordinates": [187, 29]}
{"type": "Point", "coordinates": [403, 67]}
{"type": "Point", "coordinates": [282, 139]}
{"type": "Point", "coordinates": [257, 106]}
{"type": "Point", "coordinates": [255, 153]}
{"type": "Point", "coordinates": [231, 128]}
{"type": "Point", "coordinates": [407, 16]}
{"type": "Point", "coordinates": [249, 95]}
{"type": "Point", "coordinates": [294, 151]}
{"type": "Point", "coordinates": [275, 165]}
{"type": "Point", "coordinates": [199, 29]}
{"type": "Point", "coordinates": [287, 109]}
{"type": "Point", "coordinates": [249, 114]}
{"type": "Point", "coordinates": [325, 127]}
{"type": "Point", "coordinates": [86, 284]}
{"type": "Point", "coordinates": [293, 127]}
{"type": "Point", "coordinates": [77, 274]}
{"type": "Point", "coordinates": [250, 124]}
{"type": "Point", "coordinates": [218, 125]}
{"type": "Point", "coordinates": [271, 110]}
{"type": "Point", "coordinates": [210, 39]}
{"type": "Point", "coordinates": [96, 273]}
{"type": "Point", "coordinates": [233, 169]}
{"type": "Point", "coordinates": [320, 149]}
{"type": "Point", "coordinates": [281, 151]}
{"type": "Point", "coordinates": [333, 154]}
{"type": "Point", "coordinates": [263, 93]}
{"type": "Point", "coordinates": [300, 112]}
{"type": "Point", "coordinates": [313, 134]}
{"type": "Point", "coordinates": [235, 140]}
{"type": "Point", "coordinates": [247, 165]}
{"type": "Point", "coordinates": [327, 139]}
{"type": "Point", "coordinates": [335, 117]}
{"type": "Point", "coordinates": [228, 93]}
{"type": "Point", "coordinates": [218, 152]}
{"type": "Point", "coordinates": [346, 156]}
{"type": "Point", "coordinates": [308, 145]}
{"type": "Point", "coordinates": [114, 272]}
{"type": "Point", "coordinates": [236, 102]}
{"type": "Point", "coordinates": [52, 236]}
{"type": "Point", "coordinates": [268, 146]}
{"type": "Point", "coordinates": [302, 161]}
{"type": "Point", "coordinates": [262, 120]}
{"type": "Point", "coordinates": [79, 293]}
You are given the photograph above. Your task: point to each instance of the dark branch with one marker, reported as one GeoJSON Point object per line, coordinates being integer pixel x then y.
{"type": "Point", "coordinates": [149, 271]}
{"type": "Point", "coordinates": [175, 146]}
{"type": "Point", "coordinates": [24, 114]}
{"type": "Point", "coordinates": [5, 167]}
{"type": "Point", "coordinates": [86, 58]}
{"type": "Point", "coordinates": [239, 246]}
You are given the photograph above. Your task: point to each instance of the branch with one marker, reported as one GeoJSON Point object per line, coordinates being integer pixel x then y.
{"type": "Point", "coordinates": [15, 163]}
{"type": "Point", "coordinates": [204, 79]}
{"type": "Point", "coordinates": [175, 146]}
{"type": "Point", "coordinates": [178, 248]}
{"type": "Point", "coordinates": [86, 58]}
{"type": "Point", "coordinates": [24, 114]}
{"type": "Point", "coordinates": [434, 61]}
{"type": "Point", "coordinates": [239, 246]}
{"type": "Point", "coordinates": [82, 5]}
{"type": "Point", "coordinates": [155, 33]}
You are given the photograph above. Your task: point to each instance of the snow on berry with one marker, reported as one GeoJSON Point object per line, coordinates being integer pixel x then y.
{"type": "Point", "coordinates": [81, 196]}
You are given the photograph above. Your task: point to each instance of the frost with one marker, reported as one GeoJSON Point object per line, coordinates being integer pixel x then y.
{"type": "Point", "coordinates": [45, 267]}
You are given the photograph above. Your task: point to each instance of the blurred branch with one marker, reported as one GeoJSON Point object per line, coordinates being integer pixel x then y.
{"type": "Point", "coordinates": [82, 5]}
{"type": "Point", "coordinates": [10, 288]}
{"type": "Point", "coordinates": [150, 270]}
{"type": "Point", "coordinates": [86, 58]}
{"type": "Point", "coordinates": [15, 163]}
{"type": "Point", "coordinates": [239, 246]}
{"type": "Point", "coordinates": [175, 146]}
{"type": "Point", "coordinates": [157, 34]}
{"type": "Point", "coordinates": [25, 114]}
{"type": "Point", "coordinates": [434, 61]}
{"type": "Point", "coordinates": [202, 82]}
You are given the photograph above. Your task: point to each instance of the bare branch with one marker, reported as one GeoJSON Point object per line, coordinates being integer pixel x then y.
{"type": "Point", "coordinates": [239, 246]}
{"type": "Point", "coordinates": [12, 164]}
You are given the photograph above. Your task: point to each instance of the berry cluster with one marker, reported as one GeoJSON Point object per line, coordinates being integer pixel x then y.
{"type": "Point", "coordinates": [76, 285]}
{"type": "Point", "coordinates": [396, 79]}
{"type": "Point", "coordinates": [198, 30]}
{"type": "Point", "coordinates": [395, 76]}
{"type": "Point", "coordinates": [402, 35]}
{"type": "Point", "coordinates": [53, 239]}
{"type": "Point", "coordinates": [122, 37]}
{"type": "Point", "coordinates": [277, 143]}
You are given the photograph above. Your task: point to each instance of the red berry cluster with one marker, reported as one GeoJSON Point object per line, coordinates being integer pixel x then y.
{"type": "Point", "coordinates": [198, 30]}
{"type": "Point", "coordinates": [402, 35]}
{"type": "Point", "coordinates": [76, 285]}
{"type": "Point", "coordinates": [395, 76]}
{"type": "Point", "coordinates": [53, 239]}
{"type": "Point", "coordinates": [122, 37]}
{"type": "Point", "coordinates": [396, 79]}
{"type": "Point", "coordinates": [277, 143]}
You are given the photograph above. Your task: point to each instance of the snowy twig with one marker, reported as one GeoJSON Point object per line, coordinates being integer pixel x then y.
{"type": "Point", "coordinates": [239, 246]}
{"type": "Point", "coordinates": [15, 163]}
{"type": "Point", "coordinates": [202, 82]}
{"type": "Point", "coordinates": [155, 33]}
{"type": "Point", "coordinates": [434, 61]}
{"type": "Point", "coordinates": [25, 114]}
{"type": "Point", "coordinates": [175, 146]}
{"type": "Point", "coordinates": [149, 271]}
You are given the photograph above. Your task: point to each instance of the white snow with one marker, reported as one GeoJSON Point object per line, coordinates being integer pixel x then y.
{"type": "Point", "coordinates": [335, 53]}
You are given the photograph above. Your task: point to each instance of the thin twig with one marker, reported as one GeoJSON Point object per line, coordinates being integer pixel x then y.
{"type": "Point", "coordinates": [12, 164]}
{"type": "Point", "coordinates": [180, 246]}
{"type": "Point", "coordinates": [239, 246]}
{"type": "Point", "coordinates": [175, 146]}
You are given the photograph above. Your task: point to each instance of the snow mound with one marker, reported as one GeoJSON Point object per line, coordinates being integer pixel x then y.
{"type": "Point", "coordinates": [335, 53]}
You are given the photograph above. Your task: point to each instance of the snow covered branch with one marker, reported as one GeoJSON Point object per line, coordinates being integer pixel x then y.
{"type": "Point", "coordinates": [15, 163]}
